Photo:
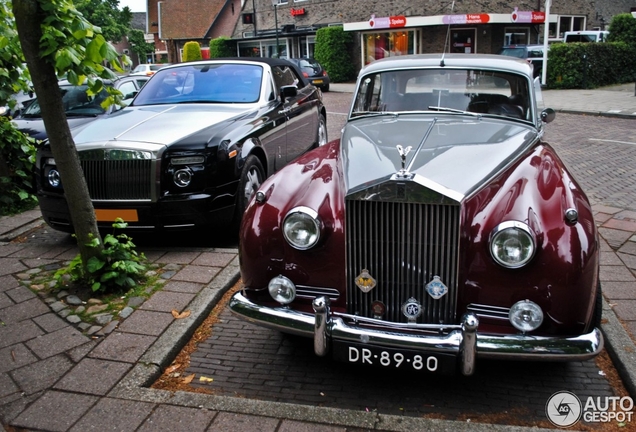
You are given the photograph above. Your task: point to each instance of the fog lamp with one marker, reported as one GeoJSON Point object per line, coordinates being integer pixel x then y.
{"type": "Point", "coordinates": [182, 177]}
{"type": "Point", "coordinates": [525, 315]}
{"type": "Point", "coordinates": [512, 244]}
{"type": "Point", "coordinates": [54, 178]}
{"type": "Point", "coordinates": [282, 290]}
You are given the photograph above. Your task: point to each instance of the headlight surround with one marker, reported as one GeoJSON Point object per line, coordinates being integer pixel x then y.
{"type": "Point", "coordinates": [282, 290]}
{"type": "Point", "coordinates": [512, 244]}
{"type": "Point", "coordinates": [526, 316]}
{"type": "Point", "coordinates": [301, 228]}
{"type": "Point", "coordinates": [182, 177]}
{"type": "Point", "coordinates": [54, 178]}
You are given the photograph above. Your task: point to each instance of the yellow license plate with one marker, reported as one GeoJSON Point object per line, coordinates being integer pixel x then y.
{"type": "Point", "coordinates": [317, 81]}
{"type": "Point", "coordinates": [127, 215]}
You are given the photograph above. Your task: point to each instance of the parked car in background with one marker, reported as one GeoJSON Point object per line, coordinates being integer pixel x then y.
{"type": "Point", "coordinates": [440, 229]}
{"type": "Point", "coordinates": [313, 71]}
{"type": "Point", "coordinates": [533, 54]}
{"type": "Point", "coordinates": [22, 101]}
{"type": "Point", "coordinates": [585, 36]}
{"type": "Point", "coordinates": [148, 69]}
{"type": "Point", "coordinates": [192, 147]}
{"type": "Point", "coordinates": [78, 106]}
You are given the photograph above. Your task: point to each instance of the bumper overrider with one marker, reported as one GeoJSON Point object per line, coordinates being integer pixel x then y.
{"type": "Point", "coordinates": [462, 340]}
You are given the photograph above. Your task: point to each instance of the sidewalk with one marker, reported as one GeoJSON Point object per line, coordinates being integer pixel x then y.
{"type": "Point", "coordinates": [55, 378]}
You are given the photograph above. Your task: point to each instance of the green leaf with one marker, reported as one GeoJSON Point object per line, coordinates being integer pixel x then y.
{"type": "Point", "coordinates": [94, 264]}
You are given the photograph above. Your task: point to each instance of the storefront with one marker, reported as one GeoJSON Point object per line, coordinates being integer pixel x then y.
{"type": "Point", "coordinates": [382, 37]}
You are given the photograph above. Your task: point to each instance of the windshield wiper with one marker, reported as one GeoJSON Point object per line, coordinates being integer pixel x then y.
{"type": "Point", "coordinates": [374, 113]}
{"type": "Point", "coordinates": [454, 110]}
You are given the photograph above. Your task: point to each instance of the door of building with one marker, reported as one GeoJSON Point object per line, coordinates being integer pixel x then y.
{"type": "Point", "coordinates": [463, 41]}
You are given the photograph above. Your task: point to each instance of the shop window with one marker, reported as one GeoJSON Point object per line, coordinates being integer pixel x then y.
{"type": "Point", "coordinates": [463, 41]}
{"type": "Point", "coordinates": [388, 44]}
{"type": "Point", "coordinates": [517, 36]}
{"type": "Point", "coordinates": [570, 23]}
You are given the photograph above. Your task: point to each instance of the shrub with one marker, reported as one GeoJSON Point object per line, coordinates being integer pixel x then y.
{"type": "Point", "coordinates": [192, 51]}
{"type": "Point", "coordinates": [333, 47]}
{"type": "Point", "coordinates": [623, 29]}
{"type": "Point", "coordinates": [17, 158]}
{"type": "Point", "coordinates": [222, 47]}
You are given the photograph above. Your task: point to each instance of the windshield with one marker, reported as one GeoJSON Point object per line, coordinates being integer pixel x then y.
{"type": "Point", "coordinates": [76, 103]}
{"type": "Point", "coordinates": [476, 91]}
{"type": "Point", "coordinates": [211, 83]}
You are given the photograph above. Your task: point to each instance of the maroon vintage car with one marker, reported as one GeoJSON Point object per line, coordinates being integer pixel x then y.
{"type": "Point", "coordinates": [439, 229]}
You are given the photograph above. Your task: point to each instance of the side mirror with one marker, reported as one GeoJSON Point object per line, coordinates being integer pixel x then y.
{"type": "Point", "coordinates": [547, 115]}
{"type": "Point", "coordinates": [288, 91]}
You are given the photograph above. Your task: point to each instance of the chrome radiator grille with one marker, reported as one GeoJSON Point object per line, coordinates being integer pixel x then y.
{"type": "Point", "coordinates": [403, 246]}
{"type": "Point", "coordinates": [118, 179]}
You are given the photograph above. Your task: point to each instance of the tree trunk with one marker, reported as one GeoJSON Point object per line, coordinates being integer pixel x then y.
{"type": "Point", "coordinates": [29, 18]}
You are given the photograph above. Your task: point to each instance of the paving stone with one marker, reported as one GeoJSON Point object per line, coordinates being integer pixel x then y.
{"type": "Point", "coordinates": [625, 309]}
{"type": "Point", "coordinates": [170, 418]}
{"type": "Point", "coordinates": [623, 225]}
{"type": "Point", "coordinates": [57, 342]}
{"type": "Point", "coordinates": [215, 259]}
{"type": "Point", "coordinates": [42, 374]}
{"type": "Point", "coordinates": [8, 282]}
{"type": "Point", "coordinates": [79, 352]}
{"type": "Point", "coordinates": [50, 322]}
{"type": "Point", "coordinates": [96, 308]}
{"type": "Point", "coordinates": [22, 311]}
{"type": "Point", "coordinates": [178, 257]}
{"type": "Point", "coordinates": [93, 376]}
{"type": "Point", "coordinates": [129, 415]}
{"type": "Point", "coordinates": [614, 237]}
{"type": "Point", "coordinates": [147, 322]}
{"type": "Point", "coordinates": [73, 300]}
{"type": "Point", "coordinates": [73, 319]}
{"type": "Point", "coordinates": [616, 274]}
{"type": "Point", "coordinates": [201, 274]}
{"type": "Point", "coordinates": [124, 347]}
{"type": "Point", "coordinates": [231, 422]}
{"type": "Point", "coordinates": [164, 301]}
{"type": "Point", "coordinates": [125, 312]}
{"type": "Point", "coordinates": [20, 294]}
{"type": "Point", "coordinates": [19, 332]}
{"type": "Point", "coordinates": [14, 357]}
{"type": "Point", "coordinates": [185, 287]}
{"type": "Point", "coordinates": [135, 301]}
{"type": "Point", "coordinates": [7, 386]}
{"type": "Point", "coordinates": [108, 328]}
{"type": "Point", "coordinates": [43, 413]}
{"type": "Point", "coordinates": [628, 259]}
{"type": "Point", "coordinates": [10, 266]}
{"type": "Point", "coordinates": [619, 290]}
{"type": "Point", "coordinates": [57, 306]}
{"type": "Point", "coordinates": [5, 301]}
{"type": "Point", "coordinates": [8, 249]}
{"type": "Point", "coordinates": [103, 319]}
{"type": "Point", "coordinates": [297, 426]}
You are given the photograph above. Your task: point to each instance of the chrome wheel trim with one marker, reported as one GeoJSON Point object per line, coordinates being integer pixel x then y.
{"type": "Point", "coordinates": [322, 132]}
{"type": "Point", "coordinates": [252, 183]}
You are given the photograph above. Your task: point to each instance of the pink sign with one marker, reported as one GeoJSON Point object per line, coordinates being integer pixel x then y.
{"type": "Point", "coordinates": [532, 17]}
{"type": "Point", "coordinates": [387, 22]}
{"type": "Point", "coordinates": [466, 19]}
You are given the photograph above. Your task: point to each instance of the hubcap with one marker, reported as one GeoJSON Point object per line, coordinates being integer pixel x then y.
{"type": "Point", "coordinates": [322, 134]}
{"type": "Point", "coordinates": [252, 184]}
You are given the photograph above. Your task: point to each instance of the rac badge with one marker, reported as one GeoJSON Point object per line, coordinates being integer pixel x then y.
{"type": "Point", "coordinates": [365, 281]}
{"type": "Point", "coordinates": [411, 309]}
{"type": "Point", "coordinates": [436, 288]}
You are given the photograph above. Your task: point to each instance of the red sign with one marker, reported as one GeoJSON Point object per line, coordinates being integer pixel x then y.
{"type": "Point", "coordinates": [296, 12]}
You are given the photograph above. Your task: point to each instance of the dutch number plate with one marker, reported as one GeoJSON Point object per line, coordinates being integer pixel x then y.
{"type": "Point", "coordinates": [395, 359]}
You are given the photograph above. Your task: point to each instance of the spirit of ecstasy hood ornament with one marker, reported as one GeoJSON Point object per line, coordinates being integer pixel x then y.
{"type": "Point", "coordinates": [403, 152]}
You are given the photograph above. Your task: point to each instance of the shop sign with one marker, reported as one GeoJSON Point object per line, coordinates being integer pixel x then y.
{"type": "Point", "coordinates": [296, 12]}
{"type": "Point", "coordinates": [387, 22]}
{"type": "Point", "coordinates": [533, 17]}
{"type": "Point", "coordinates": [466, 19]}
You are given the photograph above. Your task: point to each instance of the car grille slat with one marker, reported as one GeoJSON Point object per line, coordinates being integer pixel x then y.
{"type": "Point", "coordinates": [110, 180]}
{"type": "Point", "coordinates": [403, 246]}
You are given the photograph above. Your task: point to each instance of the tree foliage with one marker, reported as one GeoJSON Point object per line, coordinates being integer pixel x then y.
{"type": "Point", "coordinates": [105, 14]}
{"type": "Point", "coordinates": [138, 45]}
{"type": "Point", "coordinates": [222, 47]}
{"type": "Point", "coordinates": [333, 53]}
{"type": "Point", "coordinates": [191, 51]}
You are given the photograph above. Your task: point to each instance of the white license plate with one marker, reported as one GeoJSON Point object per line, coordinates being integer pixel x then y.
{"type": "Point", "coordinates": [395, 359]}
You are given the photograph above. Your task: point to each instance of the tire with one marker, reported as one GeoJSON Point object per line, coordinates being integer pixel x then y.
{"type": "Point", "coordinates": [321, 137]}
{"type": "Point", "coordinates": [252, 176]}
{"type": "Point", "coordinates": [325, 88]}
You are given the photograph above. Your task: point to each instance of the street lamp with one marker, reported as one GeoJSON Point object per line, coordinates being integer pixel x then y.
{"type": "Point", "coordinates": [275, 4]}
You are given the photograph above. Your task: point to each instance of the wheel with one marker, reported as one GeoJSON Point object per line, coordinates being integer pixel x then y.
{"type": "Point", "coordinates": [252, 175]}
{"type": "Point", "coordinates": [325, 88]}
{"type": "Point", "coordinates": [321, 138]}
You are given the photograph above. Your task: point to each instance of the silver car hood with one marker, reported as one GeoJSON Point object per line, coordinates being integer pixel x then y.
{"type": "Point", "coordinates": [458, 156]}
{"type": "Point", "coordinates": [158, 124]}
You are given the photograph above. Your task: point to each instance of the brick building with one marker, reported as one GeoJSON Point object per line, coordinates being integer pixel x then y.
{"type": "Point", "coordinates": [380, 28]}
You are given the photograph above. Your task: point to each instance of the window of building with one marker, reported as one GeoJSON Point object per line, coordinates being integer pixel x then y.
{"type": "Point", "coordinates": [463, 41]}
{"type": "Point", "coordinates": [568, 23]}
{"type": "Point", "coordinates": [387, 44]}
{"type": "Point", "coordinates": [306, 46]}
{"type": "Point", "coordinates": [264, 48]}
{"type": "Point", "coordinates": [517, 36]}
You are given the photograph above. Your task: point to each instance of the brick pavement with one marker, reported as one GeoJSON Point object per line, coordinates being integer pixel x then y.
{"type": "Point", "coordinates": [54, 378]}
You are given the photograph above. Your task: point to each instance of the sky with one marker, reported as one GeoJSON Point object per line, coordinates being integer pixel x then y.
{"type": "Point", "coordinates": [134, 5]}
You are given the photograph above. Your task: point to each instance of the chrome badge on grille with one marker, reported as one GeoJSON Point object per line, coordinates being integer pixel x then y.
{"type": "Point", "coordinates": [436, 288]}
{"type": "Point", "coordinates": [365, 281]}
{"type": "Point", "coordinates": [411, 309]}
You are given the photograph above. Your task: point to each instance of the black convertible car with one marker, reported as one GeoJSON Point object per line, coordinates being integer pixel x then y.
{"type": "Point", "coordinates": [192, 147]}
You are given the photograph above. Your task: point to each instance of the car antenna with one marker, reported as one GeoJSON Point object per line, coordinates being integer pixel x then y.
{"type": "Point", "coordinates": [441, 63]}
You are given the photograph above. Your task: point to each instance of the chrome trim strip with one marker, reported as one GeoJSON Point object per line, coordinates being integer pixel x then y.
{"type": "Point", "coordinates": [458, 342]}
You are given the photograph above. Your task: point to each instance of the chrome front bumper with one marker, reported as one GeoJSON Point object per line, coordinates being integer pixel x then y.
{"type": "Point", "coordinates": [461, 340]}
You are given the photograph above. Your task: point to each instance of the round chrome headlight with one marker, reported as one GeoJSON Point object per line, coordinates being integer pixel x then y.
{"type": "Point", "coordinates": [525, 315]}
{"type": "Point", "coordinates": [282, 290]}
{"type": "Point", "coordinates": [512, 244]}
{"type": "Point", "coordinates": [54, 178]}
{"type": "Point", "coordinates": [301, 228]}
{"type": "Point", "coordinates": [182, 177]}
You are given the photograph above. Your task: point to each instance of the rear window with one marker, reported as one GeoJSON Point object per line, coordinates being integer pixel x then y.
{"type": "Point", "coordinates": [513, 52]}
